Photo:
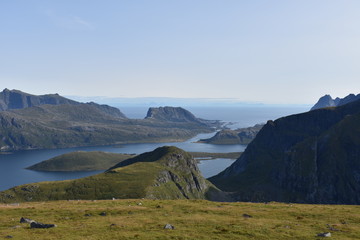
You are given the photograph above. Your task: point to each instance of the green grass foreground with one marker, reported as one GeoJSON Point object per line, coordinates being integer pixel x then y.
{"type": "Point", "coordinates": [192, 219]}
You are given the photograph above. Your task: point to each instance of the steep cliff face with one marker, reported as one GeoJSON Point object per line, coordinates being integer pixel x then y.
{"type": "Point", "coordinates": [312, 157]}
{"type": "Point", "coordinates": [165, 173]}
{"type": "Point", "coordinates": [171, 114]}
{"type": "Point", "coordinates": [15, 99]}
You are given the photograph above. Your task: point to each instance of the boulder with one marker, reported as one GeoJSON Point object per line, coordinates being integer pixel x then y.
{"type": "Point", "coordinates": [25, 220]}
{"type": "Point", "coordinates": [325, 234]}
{"type": "Point", "coordinates": [169, 226]}
{"type": "Point", "coordinates": [41, 225]}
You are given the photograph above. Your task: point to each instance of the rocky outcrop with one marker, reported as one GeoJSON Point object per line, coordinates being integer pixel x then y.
{"type": "Point", "coordinates": [328, 101]}
{"type": "Point", "coordinates": [171, 114]}
{"type": "Point", "coordinates": [165, 173]}
{"type": "Point", "coordinates": [308, 158]}
{"type": "Point", "coordinates": [180, 178]}
{"type": "Point", "coordinates": [35, 224]}
{"type": "Point", "coordinates": [178, 114]}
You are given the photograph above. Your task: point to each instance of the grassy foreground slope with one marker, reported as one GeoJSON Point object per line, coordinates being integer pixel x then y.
{"type": "Point", "coordinates": [192, 219]}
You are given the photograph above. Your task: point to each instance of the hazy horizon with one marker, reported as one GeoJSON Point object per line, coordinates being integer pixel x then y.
{"type": "Point", "coordinates": [269, 52]}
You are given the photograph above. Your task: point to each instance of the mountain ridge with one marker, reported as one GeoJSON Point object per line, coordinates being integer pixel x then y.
{"type": "Point", "coordinates": [16, 99]}
{"type": "Point", "coordinates": [327, 101]}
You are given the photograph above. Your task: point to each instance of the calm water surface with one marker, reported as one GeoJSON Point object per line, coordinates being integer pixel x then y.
{"type": "Point", "coordinates": [12, 166]}
{"type": "Point", "coordinates": [210, 168]}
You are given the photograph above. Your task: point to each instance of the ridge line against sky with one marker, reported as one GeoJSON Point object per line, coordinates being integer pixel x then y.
{"type": "Point", "coordinates": [283, 52]}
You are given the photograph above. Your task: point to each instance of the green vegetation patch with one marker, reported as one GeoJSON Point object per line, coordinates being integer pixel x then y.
{"type": "Point", "coordinates": [81, 161]}
{"type": "Point", "coordinates": [192, 219]}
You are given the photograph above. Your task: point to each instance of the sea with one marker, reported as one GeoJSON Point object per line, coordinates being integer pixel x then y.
{"type": "Point", "coordinates": [13, 170]}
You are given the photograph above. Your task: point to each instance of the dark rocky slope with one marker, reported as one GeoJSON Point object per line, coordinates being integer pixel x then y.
{"type": "Point", "coordinates": [312, 157]}
{"type": "Point", "coordinates": [165, 173]}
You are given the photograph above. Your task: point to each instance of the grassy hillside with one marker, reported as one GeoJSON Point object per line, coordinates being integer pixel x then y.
{"type": "Point", "coordinates": [165, 173]}
{"type": "Point", "coordinates": [81, 161]}
{"type": "Point", "coordinates": [192, 219]}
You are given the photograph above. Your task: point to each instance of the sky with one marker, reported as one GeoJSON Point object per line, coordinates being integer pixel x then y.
{"type": "Point", "coordinates": [276, 52]}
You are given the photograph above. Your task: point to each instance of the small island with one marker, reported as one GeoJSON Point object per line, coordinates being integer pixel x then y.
{"type": "Point", "coordinates": [97, 160]}
{"type": "Point", "coordinates": [81, 161]}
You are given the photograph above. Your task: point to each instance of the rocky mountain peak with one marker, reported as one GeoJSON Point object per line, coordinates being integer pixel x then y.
{"type": "Point", "coordinates": [328, 101]}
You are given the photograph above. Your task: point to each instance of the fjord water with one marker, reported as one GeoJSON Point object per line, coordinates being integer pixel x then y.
{"type": "Point", "coordinates": [12, 166]}
{"type": "Point", "coordinates": [13, 172]}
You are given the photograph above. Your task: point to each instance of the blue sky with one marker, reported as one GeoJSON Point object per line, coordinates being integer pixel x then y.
{"type": "Point", "coordinates": [254, 51]}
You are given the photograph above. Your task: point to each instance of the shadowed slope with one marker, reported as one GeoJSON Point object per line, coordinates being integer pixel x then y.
{"type": "Point", "coordinates": [312, 157]}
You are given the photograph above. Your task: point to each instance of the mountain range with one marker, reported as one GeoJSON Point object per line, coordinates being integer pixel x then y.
{"type": "Point", "coordinates": [30, 122]}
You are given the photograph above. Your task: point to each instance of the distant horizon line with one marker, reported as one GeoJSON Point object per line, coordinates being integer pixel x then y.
{"type": "Point", "coordinates": [188, 101]}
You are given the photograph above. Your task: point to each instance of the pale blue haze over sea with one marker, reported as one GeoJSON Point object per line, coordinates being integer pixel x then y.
{"type": "Point", "coordinates": [12, 166]}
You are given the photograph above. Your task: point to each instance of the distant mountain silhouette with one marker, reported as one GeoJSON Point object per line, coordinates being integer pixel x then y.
{"type": "Point", "coordinates": [328, 101]}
